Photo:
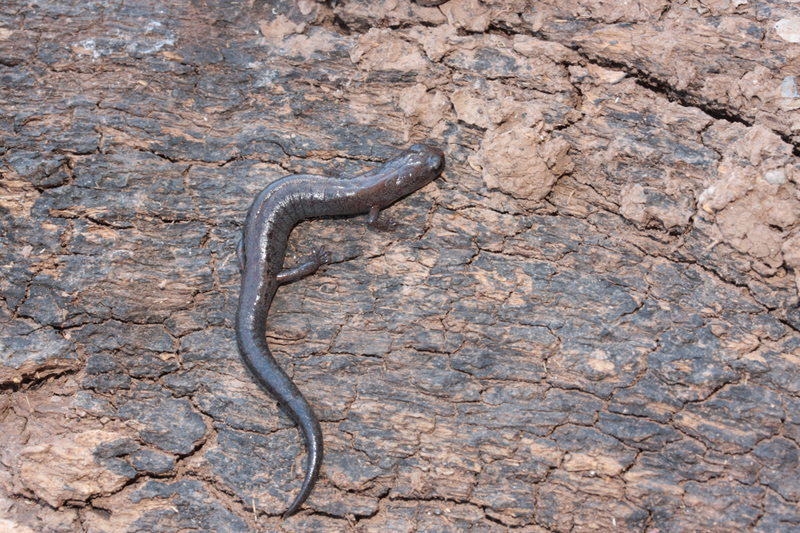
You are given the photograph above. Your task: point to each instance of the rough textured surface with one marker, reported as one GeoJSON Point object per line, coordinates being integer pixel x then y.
{"type": "Point", "coordinates": [589, 323]}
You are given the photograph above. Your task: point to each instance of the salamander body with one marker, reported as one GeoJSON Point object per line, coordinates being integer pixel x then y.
{"type": "Point", "coordinates": [273, 214]}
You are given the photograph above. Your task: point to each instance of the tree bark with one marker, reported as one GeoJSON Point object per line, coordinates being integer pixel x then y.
{"type": "Point", "coordinates": [590, 322]}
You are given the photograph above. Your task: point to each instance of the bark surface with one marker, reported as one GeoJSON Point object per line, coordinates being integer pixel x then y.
{"type": "Point", "coordinates": [589, 323]}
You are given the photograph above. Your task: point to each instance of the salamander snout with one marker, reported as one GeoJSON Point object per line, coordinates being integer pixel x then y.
{"type": "Point", "coordinates": [435, 159]}
{"type": "Point", "coordinates": [416, 167]}
{"type": "Point", "coordinates": [432, 157]}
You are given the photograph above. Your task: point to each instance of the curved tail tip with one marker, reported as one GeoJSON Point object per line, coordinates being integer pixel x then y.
{"type": "Point", "coordinates": [298, 502]}
{"type": "Point", "coordinates": [313, 437]}
{"type": "Point", "coordinates": [302, 496]}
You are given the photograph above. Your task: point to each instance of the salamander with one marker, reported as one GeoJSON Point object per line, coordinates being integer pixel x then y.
{"type": "Point", "coordinates": [273, 214]}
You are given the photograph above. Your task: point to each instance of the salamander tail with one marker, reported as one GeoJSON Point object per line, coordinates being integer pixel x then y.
{"type": "Point", "coordinates": [312, 432]}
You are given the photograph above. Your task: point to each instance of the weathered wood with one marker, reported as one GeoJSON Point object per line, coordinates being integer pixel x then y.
{"type": "Point", "coordinates": [589, 323]}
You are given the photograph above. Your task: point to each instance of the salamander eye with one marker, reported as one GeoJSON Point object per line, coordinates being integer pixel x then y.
{"type": "Point", "coordinates": [436, 163]}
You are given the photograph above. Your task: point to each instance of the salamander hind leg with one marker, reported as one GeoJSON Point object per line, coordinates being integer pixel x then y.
{"type": "Point", "coordinates": [319, 257]}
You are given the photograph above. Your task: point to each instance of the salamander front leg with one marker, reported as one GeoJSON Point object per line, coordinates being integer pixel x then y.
{"type": "Point", "coordinates": [240, 254]}
{"type": "Point", "coordinates": [319, 257]}
{"type": "Point", "coordinates": [372, 220]}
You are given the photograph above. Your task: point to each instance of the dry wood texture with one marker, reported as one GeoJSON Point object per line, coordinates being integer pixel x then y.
{"type": "Point", "coordinates": [589, 323]}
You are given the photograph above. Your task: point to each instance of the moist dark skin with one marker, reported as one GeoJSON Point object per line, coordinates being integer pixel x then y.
{"type": "Point", "coordinates": [274, 213]}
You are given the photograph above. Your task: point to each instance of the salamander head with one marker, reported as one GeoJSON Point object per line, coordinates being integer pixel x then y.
{"type": "Point", "coordinates": [414, 168]}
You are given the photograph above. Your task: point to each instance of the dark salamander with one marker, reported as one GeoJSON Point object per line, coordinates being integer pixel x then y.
{"type": "Point", "coordinates": [271, 218]}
